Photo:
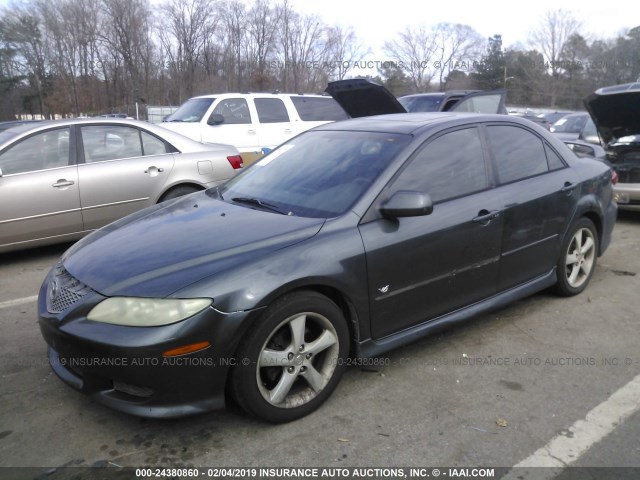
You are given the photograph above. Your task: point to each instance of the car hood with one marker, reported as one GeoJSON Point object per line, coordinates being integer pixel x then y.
{"type": "Point", "coordinates": [160, 250]}
{"type": "Point", "coordinates": [362, 98]}
{"type": "Point", "coordinates": [614, 110]}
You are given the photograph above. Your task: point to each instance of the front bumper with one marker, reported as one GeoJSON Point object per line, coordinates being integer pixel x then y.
{"type": "Point", "coordinates": [124, 367]}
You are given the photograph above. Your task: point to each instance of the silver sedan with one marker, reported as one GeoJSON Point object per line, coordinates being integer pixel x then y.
{"type": "Point", "coordinates": [59, 180]}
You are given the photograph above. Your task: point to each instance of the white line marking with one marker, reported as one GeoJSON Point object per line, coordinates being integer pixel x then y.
{"type": "Point", "coordinates": [18, 301]}
{"type": "Point", "coordinates": [565, 448]}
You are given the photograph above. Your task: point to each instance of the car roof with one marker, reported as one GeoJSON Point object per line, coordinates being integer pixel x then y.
{"type": "Point", "coordinates": [176, 139]}
{"type": "Point", "coordinates": [259, 95]}
{"type": "Point", "coordinates": [417, 123]}
{"type": "Point", "coordinates": [45, 124]}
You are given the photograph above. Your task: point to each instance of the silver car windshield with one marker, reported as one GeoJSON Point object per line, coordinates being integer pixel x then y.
{"type": "Point", "coordinates": [318, 174]}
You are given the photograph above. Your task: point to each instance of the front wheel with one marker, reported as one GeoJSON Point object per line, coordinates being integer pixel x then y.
{"type": "Point", "coordinates": [578, 258]}
{"type": "Point", "coordinates": [293, 359]}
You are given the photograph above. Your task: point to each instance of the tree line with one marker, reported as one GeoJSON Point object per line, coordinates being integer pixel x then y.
{"type": "Point", "coordinates": [83, 57]}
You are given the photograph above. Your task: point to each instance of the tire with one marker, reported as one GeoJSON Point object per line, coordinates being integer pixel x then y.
{"type": "Point", "coordinates": [578, 258]}
{"type": "Point", "coordinates": [178, 192]}
{"type": "Point", "coordinates": [292, 359]}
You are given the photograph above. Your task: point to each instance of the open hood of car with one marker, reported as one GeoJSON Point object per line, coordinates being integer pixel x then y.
{"type": "Point", "coordinates": [361, 98]}
{"type": "Point", "coordinates": [159, 250]}
{"type": "Point", "coordinates": [615, 110]}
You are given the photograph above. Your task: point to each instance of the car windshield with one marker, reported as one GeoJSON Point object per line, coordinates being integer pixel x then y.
{"type": "Point", "coordinates": [191, 111]}
{"type": "Point", "coordinates": [570, 124]}
{"type": "Point", "coordinates": [318, 174]}
{"type": "Point", "coordinates": [422, 103]}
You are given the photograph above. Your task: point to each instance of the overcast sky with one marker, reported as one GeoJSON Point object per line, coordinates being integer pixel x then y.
{"type": "Point", "coordinates": [376, 22]}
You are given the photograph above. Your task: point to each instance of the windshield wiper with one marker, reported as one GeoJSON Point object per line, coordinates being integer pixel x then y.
{"type": "Point", "coordinates": [259, 203]}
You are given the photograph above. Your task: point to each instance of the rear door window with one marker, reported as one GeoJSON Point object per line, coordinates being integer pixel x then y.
{"type": "Point", "coordinates": [152, 145]}
{"type": "Point", "coordinates": [518, 153]}
{"type": "Point", "coordinates": [271, 110]}
{"type": "Point", "coordinates": [553, 159]}
{"type": "Point", "coordinates": [110, 142]}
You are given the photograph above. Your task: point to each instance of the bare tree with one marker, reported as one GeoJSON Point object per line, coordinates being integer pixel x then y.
{"type": "Point", "coordinates": [10, 76]}
{"type": "Point", "coordinates": [25, 34]}
{"type": "Point", "coordinates": [184, 28]}
{"type": "Point", "coordinates": [457, 46]}
{"type": "Point", "coordinates": [71, 50]}
{"type": "Point", "coordinates": [262, 27]}
{"type": "Point", "coordinates": [304, 50]}
{"type": "Point", "coordinates": [234, 18]}
{"type": "Point", "coordinates": [344, 50]}
{"type": "Point", "coordinates": [550, 38]}
{"type": "Point", "coordinates": [127, 30]}
{"type": "Point", "coordinates": [415, 50]}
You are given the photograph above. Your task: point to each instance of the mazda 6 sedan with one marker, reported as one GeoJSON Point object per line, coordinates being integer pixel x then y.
{"type": "Point", "coordinates": [345, 242]}
{"type": "Point", "coordinates": [61, 179]}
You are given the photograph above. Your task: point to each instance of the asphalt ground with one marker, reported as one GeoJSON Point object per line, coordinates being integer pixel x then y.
{"type": "Point", "coordinates": [494, 392]}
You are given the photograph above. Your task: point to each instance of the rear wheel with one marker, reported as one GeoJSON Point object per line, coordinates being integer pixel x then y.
{"type": "Point", "coordinates": [578, 258]}
{"type": "Point", "coordinates": [293, 359]}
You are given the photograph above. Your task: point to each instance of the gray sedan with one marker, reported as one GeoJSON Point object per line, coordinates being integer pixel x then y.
{"type": "Point", "coordinates": [59, 180]}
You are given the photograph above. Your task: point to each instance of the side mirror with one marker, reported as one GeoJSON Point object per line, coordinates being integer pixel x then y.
{"type": "Point", "coordinates": [407, 204]}
{"type": "Point", "coordinates": [215, 119]}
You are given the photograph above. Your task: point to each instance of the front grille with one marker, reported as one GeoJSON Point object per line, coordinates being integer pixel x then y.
{"type": "Point", "coordinates": [64, 290]}
{"type": "Point", "coordinates": [627, 166]}
{"type": "Point", "coordinates": [631, 175]}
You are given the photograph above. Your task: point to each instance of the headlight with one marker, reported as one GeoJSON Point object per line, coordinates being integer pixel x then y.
{"type": "Point", "coordinates": [146, 312]}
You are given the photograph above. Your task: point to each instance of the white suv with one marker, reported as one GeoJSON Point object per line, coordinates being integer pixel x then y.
{"type": "Point", "coordinates": [252, 122]}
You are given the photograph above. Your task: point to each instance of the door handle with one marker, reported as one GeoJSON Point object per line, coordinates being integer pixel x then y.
{"type": "Point", "coordinates": [568, 187]}
{"type": "Point", "coordinates": [287, 130]}
{"type": "Point", "coordinates": [251, 132]}
{"type": "Point", "coordinates": [485, 216]}
{"type": "Point", "coordinates": [63, 183]}
{"type": "Point", "coordinates": [153, 170]}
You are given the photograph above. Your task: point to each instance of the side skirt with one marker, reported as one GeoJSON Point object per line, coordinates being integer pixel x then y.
{"type": "Point", "coordinates": [373, 348]}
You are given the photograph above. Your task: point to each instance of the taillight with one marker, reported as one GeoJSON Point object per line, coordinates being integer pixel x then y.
{"type": "Point", "coordinates": [614, 177]}
{"type": "Point", "coordinates": [235, 161]}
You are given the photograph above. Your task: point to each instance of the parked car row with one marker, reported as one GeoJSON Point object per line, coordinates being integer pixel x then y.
{"type": "Point", "coordinates": [349, 240]}
{"type": "Point", "coordinates": [252, 122]}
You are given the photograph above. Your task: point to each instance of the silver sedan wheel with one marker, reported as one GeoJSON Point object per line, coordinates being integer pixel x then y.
{"type": "Point", "coordinates": [580, 258]}
{"type": "Point", "coordinates": [298, 360]}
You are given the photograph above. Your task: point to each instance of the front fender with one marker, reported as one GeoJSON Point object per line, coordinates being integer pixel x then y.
{"type": "Point", "coordinates": [333, 259]}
